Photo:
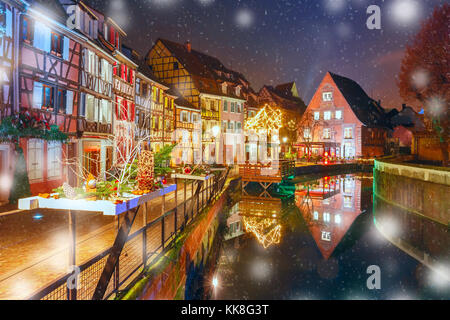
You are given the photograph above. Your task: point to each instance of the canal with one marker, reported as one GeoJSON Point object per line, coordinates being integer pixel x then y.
{"type": "Point", "coordinates": [323, 239]}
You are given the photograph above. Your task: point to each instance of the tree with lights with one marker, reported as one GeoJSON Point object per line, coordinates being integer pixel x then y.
{"type": "Point", "coordinates": [425, 73]}
{"type": "Point", "coordinates": [267, 121]}
{"type": "Point", "coordinates": [306, 129]}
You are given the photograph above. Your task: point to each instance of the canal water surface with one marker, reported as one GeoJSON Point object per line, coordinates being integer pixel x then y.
{"type": "Point", "coordinates": [329, 239]}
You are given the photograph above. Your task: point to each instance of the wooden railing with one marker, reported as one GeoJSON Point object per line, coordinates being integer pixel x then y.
{"type": "Point", "coordinates": [276, 171]}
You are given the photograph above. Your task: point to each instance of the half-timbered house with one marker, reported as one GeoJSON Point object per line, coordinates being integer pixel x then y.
{"type": "Point", "coordinates": [188, 133]}
{"type": "Point", "coordinates": [208, 86]}
{"type": "Point", "coordinates": [10, 11]}
{"type": "Point", "coordinates": [50, 55]}
{"type": "Point", "coordinates": [95, 116]}
{"type": "Point", "coordinates": [285, 97]}
{"type": "Point", "coordinates": [124, 89]}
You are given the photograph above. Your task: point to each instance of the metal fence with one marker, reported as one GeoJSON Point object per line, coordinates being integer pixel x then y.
{"type": "Point", "coordinates": [142, 248]}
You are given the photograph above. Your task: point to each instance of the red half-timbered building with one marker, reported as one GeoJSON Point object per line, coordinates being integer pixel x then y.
{"type": "Point", "coordinates": [95, 118]}
{"type": "Point", "coordinates": [9, 47]}
{"type": "Point", "coordinates": [50, 55]}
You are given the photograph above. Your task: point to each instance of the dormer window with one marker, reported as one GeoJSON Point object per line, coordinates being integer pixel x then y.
{"type": "Point", "coordinates": [327, 96]}
{"type": "Point", "coordinates": [238, 90]}
{"type": "Point", "coordinates": [112, 36]}
{"type": "Point", "coordinates": [224, 88]}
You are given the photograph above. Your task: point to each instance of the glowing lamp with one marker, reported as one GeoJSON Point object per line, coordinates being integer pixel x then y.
{"type": "Point", "coordinates": [215, 131]}
{"type": "Point", "coordinates": [215, 282]}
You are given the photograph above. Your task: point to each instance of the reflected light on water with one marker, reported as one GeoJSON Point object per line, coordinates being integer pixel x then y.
{"type": "Point", "coordinates": [266, 230]}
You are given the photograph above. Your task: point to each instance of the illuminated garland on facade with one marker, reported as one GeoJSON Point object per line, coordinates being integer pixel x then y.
{"type": "Point", "coordinates": [267, 120]}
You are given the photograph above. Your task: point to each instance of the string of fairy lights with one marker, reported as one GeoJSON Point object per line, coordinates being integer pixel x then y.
{"type": "Point", "coordinates": [267, 120]}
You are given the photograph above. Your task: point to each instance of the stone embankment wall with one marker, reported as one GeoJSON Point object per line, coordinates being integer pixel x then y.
{"type": "Point", "coordinates": [424, 190]}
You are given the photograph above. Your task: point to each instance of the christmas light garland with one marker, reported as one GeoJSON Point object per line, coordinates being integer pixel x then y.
{"type": "Point", "coordinates": [267, 120]}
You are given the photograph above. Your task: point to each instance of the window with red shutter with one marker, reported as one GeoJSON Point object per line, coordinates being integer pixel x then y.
{"type": "Point", "coordinates": [124, 110]}
{"type": "Point", "coordinates": [132, 112]}
{"type": "Point", "coordinates": [117, 40]}
{"type": "Point", "coordinates": [131, 76]}
{"type": "Point", "coordinates": [122, 71]}
{"type": "Point", "coordinates": [112, 36]}
{"type": "Point", "coordinates": [115, 68]}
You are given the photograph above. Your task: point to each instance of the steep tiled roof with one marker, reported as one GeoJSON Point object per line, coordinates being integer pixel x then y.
{"type": "Point", "coordinates": [367, 110]}
{"type": "Point", "coordinates": [285, 100]}
{"type": "Point", "coordinates": [208, 72]}
{"type": "Point", "coordinates": [285, 89]}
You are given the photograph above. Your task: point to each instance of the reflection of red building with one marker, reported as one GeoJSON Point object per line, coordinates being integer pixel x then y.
{"type": "Point", "coordinates": [330, 207]}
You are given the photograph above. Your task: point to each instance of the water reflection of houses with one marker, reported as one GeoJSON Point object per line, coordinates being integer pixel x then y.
{"type": "Point", "coordinates": [330, 206]}
{"type": "Point", "coordinates": [258, 216]}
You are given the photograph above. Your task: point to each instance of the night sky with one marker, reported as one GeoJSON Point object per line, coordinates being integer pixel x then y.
{"type": "Point", "coordinates": [277, 41]}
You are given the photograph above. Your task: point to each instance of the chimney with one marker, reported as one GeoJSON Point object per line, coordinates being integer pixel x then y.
{"type": "Point", "coordinates": [188, 46]}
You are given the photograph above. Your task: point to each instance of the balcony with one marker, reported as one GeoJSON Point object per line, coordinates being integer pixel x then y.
{"type": "Point", "coordinates": [94, 127]}
{"type": "Point", "coordinates": [210, 115]}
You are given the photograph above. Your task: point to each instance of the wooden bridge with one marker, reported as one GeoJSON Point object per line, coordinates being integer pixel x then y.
{"type": "Point", "coordinates": [266, 174]}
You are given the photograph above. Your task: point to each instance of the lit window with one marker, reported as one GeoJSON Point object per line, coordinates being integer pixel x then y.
{"type": "Point", "coordinates": [328, 96]}
{"type": "Point", "coordinates": [307, 133]}
{"type": "Point", "coordinates": [327, 115]}
{"type": "Point", "coordinates": [326, 236]}
{"type": "Point", "coordinates": [316, 115]}
{"type": "Point", "coordinates": [337, 219]}
{"type": "Point", "coordinates": [348, 133]}
{"type": "Point", "coordinates": [339, 115]}
{"type": "Point", "coordinates": [327, 133]}
{"type": "Point", "coordinates": [316, 215]}
{"type": "Point", "coordinates": [348, 202]}
{"type": "Point", "coordinates": [326, 217]}
{"type": "Point", "coordinates": [48, 97]}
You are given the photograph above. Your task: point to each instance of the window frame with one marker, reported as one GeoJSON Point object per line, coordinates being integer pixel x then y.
{"type": "Point", "coordinates": [29, 35]}
{"type": "Point", "coordinates": [58, 51]}
{"type": "Point", "coordinates": [327, 96]}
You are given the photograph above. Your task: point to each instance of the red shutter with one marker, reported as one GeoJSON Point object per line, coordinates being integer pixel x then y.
{"type": "Point", "coordinates": [132, 112]}
{"type": "Point", "coordinates": [115, 68]}
{"type": "Point", "coordinates": [124, 110]}
{"type": "Point", "coordinates": [112, 36]}
{"type": "Point", "coordinates": [122, 71]}
{"type": "Point", "coordinates": [131, 76]}
{"type": "Point", "coordinates": [117, 40]}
